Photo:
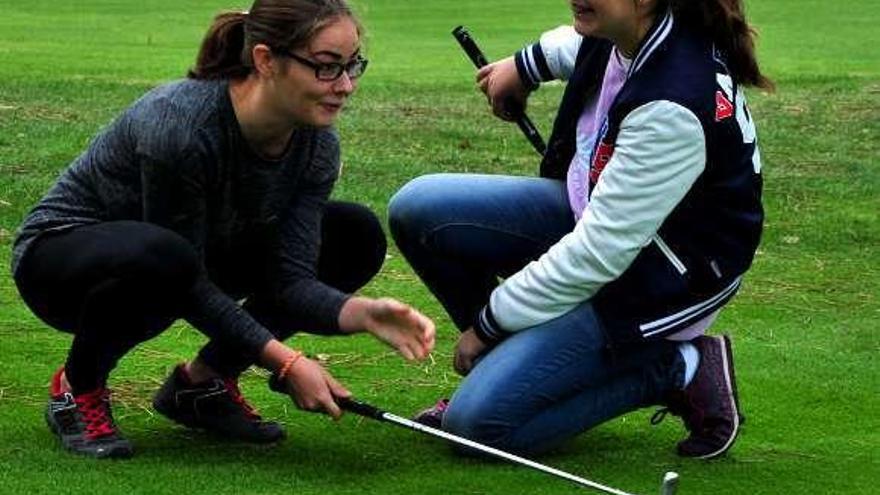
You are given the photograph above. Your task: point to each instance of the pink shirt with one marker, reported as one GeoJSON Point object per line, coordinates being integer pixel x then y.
{"type": "Point", "coordinates": [589, 129]}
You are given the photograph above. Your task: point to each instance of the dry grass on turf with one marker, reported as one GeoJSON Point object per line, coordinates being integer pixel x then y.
{"type": "Point", "coordinates": [804, 326]}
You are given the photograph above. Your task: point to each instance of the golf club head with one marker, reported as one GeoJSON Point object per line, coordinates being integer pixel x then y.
{"type": "Point", "coordinates": [670, 483]}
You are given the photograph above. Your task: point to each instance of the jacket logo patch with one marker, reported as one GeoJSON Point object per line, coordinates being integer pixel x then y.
{"type": "Point", "coordinates": [723, 107]}
{"type": "Point", "coordinates": [601, 157]}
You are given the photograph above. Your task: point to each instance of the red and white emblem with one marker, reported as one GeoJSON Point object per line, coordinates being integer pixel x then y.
{"type": "Point", "coordinates": [723, 107]}
{"type": "Point", "coordinates": [600, 160]}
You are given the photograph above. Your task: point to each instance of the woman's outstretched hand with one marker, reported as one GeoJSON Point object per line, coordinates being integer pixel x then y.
{"type": "Point", "coordinates": [397, 324]}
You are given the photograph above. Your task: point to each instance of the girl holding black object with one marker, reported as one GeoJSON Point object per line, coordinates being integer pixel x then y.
{"type": "Point", "coordinates": [620, 257]}
{"type": "Point", "coordinates": [205, 192]}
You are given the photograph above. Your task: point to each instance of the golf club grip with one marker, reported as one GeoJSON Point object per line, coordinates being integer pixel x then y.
{"type": "Point", "coordinates": [470, 46]}
{"type": "Point", "coordinates": [353, 405]}
{"type": "Point", "coordinates": [476, 55]}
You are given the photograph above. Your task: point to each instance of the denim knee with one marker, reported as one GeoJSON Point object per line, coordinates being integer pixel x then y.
{"type": "Point", "coordinates": [479, 421]}
{"type": "Point", "coordinates": [411, 207]}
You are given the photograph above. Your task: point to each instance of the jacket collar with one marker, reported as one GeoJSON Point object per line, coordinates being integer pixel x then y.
{"type": "Point", "coordinates": [655, 37]}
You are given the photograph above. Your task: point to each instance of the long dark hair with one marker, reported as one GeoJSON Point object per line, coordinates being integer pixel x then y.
{"type": "Point", "coordinates": [279, 24]}
{"type": "Point", "coordinates": [724, 21]}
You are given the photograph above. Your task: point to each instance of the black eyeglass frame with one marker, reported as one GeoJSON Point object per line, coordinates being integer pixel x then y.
{"type": "Point", "coordinates": [336, 67]}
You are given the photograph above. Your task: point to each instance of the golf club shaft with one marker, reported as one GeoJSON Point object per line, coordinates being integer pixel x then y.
{"type": "Point", "coordinates": [369, 411]}
{"type": "Point", "coordinates": [670, 484]}
{"type": "Point", "coordinates": [479, 60]}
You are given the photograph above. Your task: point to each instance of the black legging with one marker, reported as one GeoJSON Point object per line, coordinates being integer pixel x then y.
{"type": "Point", "coordinates": [117, 284]}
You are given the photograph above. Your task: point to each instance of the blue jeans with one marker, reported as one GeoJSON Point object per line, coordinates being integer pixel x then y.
{"type": "Point", "coordinates": [544, 384]}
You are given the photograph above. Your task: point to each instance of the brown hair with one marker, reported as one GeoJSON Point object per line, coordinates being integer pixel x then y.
{"type": "Point", "coordinates": [279, 24]}
{"type": "Point", "coordinates": [724, 21]}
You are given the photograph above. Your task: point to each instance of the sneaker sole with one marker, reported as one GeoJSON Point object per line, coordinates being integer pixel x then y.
{"type": "Point", "coordinates": [117, 452]}
{"type": "Point", "coordinates": [727, 359]}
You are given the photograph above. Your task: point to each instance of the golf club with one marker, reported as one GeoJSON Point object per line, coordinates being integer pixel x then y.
{"type": "Point", "coordinates": [668, 486]}
{"type": "Point", "coordinates": [522, 120]}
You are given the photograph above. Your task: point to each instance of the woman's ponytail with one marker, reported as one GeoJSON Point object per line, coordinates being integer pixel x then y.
{"type": "Point", "coordinates": [221, 53]}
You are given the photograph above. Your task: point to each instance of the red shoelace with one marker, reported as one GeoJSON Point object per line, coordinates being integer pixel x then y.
{"type": "Point", "coordinates": [94, 407]}
{"type": "Point", "coordinates": [238, 398]}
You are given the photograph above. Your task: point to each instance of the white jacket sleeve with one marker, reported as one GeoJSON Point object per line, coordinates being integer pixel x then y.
{"type": "Point", "coordinates": [553, 57]}
{"type": "Point", "coordinates": [659, 153]}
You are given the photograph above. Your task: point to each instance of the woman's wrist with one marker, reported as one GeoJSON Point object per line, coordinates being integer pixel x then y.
{"type": "Point", "coordinates": [286, 368]}
{"type": "Point", "coordinates": [275, 355]}
{"type": "Point", "coordinates": [353, 315]}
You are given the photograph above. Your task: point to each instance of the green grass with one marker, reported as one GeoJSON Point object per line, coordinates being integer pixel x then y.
{"type": "Point", "coordinates": [804, 326]}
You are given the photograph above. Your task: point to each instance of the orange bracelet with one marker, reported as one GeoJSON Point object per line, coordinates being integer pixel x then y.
{"type": "Point", "coordinates": [288, 364]}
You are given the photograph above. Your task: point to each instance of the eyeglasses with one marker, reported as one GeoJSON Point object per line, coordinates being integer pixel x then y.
{"type": "Point", "coordinates": [331, 71]}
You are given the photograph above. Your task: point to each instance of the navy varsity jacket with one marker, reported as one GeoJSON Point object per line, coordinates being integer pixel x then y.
{"type": "Point", "coordinates": [674, 215]}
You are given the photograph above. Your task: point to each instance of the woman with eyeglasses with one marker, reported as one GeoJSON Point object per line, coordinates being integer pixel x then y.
{"type": "Point", "coordinates": [207, 200]}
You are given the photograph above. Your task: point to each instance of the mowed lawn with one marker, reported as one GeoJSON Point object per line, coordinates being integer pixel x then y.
{"type": "Point", "coordinates": [804, 327]}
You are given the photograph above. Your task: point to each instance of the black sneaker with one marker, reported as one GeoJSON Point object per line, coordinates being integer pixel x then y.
{"type": "Point", "coordinates": [709, 405]}
{"type": "Point", "coordinates": [433, 416]}
{"type": "Point", "coordinates": [216, 406]}
{"type": "Point", "coordinates": [84, 423]}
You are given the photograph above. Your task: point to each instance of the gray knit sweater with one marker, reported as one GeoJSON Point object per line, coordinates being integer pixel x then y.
{"type": "Point", "coordinates": [177, 158]}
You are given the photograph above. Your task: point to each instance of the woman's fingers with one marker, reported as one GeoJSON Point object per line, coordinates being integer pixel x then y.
{"type": "Point", "coordinates": [406, 352]}
{"type": "Point", "coordinates": [483, 73]}
{"type": "Point", "coordinates": [429, 334]}
{"type": "Point", "coordinates": [462, 363]}
{"type": "Point", "coordinates": [314, 389]}
{"type": "Point", "coordinates": [500, 111]}
{"type": "Point", "coordinates": [337, 388]}
{"type": "Point", "coordinates": [329, 405]}
{"type": "Point", "coordinates": [423, 341]}
{"type": "Point", "coordinates": [424, 326]}
{"type": "Point", "coordinates": [403, 327]}
{"type": "Point", "coordinates": [334, 389]}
